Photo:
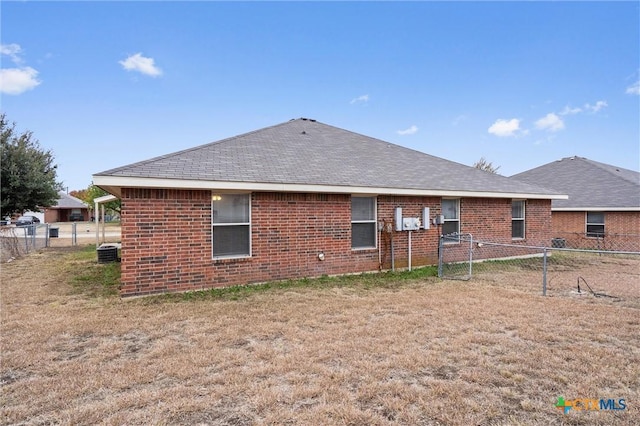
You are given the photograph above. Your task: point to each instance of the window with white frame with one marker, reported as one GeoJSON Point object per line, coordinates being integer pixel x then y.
{"type": "Point", "coordinates": [517, 219]}
{"type": "Point", "coordinates": [595, 224]}
{"type": "Point", "coordinates": [231, 225]}
{"type": "Point", "coordinates": [451, 212]}
{"type": "Point", "coordinates": [363, 222]}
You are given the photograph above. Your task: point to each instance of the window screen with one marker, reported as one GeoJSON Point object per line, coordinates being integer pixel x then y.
{"type": "Point", "coordinates": [451, 212]}
{"type": "Point", "coordinates": [363, 222]}
{"type": "Point", "coordinates": [595, 224]}
{"type": "Point", "coordinates": [231, 225]}
{"type": "Point", "coordinates": [517, 218]}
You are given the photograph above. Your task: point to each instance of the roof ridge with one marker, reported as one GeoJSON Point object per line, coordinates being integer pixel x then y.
{"type": "Point", "coordinates": [403, 147]}
{"type": "Point", "coordinates": [65, 194]}
{"type": "Point", "coordinates": [608, 169]}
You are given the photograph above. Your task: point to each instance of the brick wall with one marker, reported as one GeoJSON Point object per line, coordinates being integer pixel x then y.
{"type": "Point", "coordinates": [622, 230]}
{"type": "Point", "coordinates": [166, 237]}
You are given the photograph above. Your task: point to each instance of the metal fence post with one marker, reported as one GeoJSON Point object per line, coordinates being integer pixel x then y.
{"type": "Point", "coordinates": [74, 234]}
{"type": "Point", "coordinates": [26, 239]}
{"type": "Point", "coordinates": [544, 272]}
{"type": "Point", "coordinates": [440, 250]}
{"type": "Point", "coordinates": [470, 255]}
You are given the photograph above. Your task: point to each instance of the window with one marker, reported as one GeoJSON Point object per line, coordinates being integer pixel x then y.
{"type": "Point", "coordinates": [595, 224]}
{"type": "Point", "coordinates": [517, 219]}
{"type": "Point", "coordinates": [363, 222]}
{"type": "Point", "coordinates": [451, 212]}
{"type": "Point", "coordinates": [231, 223]}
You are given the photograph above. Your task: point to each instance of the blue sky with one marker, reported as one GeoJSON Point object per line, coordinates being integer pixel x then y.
{"type": "Point", "coordinates": [104, 84]}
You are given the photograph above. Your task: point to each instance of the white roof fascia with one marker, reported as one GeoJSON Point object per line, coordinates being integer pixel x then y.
{"type": "Point", "coordinates": [105, 198]}
{"type": "Point", "coordinates": [595, 209]}
{"type": "Point", "coordinates": [138, 182]}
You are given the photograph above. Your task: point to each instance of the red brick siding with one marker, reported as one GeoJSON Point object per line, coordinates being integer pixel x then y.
{"type": "Point", "coordinates": [622, 229]}
{"type": "Point", "coordinates": [424, 243]}
{"type": "Point", "coordinates": [51, 215]}
{"type": "Point", "coordinates": [290, 230]}
{"type": "Point", "coordinates": [166, 237]}
{"type": "Point", "coordinates": [489, 220]}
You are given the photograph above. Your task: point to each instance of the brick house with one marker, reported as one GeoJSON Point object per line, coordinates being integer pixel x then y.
{"type": "Point", "coordinates": [603, 208]}
{"type": "Point", "coordinates": [67, 209]}
{"type": "Point", "coordinates": [304, 199]}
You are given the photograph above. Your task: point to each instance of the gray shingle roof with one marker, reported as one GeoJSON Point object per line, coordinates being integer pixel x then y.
{"type": "Point", "coordinates": [588, 183]}
{"type": "Point", "coordinates": [66, 201]}
{"type": "Point", "coordinates": [308, 152]}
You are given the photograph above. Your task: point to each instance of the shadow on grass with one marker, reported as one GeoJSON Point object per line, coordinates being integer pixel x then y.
{"type": "Point", "coordinates": [90, 278]}
{"type": "Point", "coordinates": [362, 281]}
{"type": "Point", "coordinates": [93, 279]}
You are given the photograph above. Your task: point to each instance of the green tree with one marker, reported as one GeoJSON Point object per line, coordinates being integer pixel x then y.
{"type": "Point", "coordinates": [28, 180]}
{"type": "Point", "coordinates": [485, 165]}
{"type": "Point", "coordinates": [93, 192]}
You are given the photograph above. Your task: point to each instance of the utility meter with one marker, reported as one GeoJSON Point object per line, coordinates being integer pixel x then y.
{"type": "Point", "coordinates": [410, 224]}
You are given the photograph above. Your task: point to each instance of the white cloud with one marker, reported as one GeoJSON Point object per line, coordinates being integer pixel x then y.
{"type": "Point", "coordinates": [597, 107]}
{"type": "Point", "coordinates": [570, 111]}
{"type": "Point", "coordinates": [634, 89]}
{"type": "Point", "coordinates": [14, 81]}
{"type": "Point", "coordinates": [505, 128]}
{"type": "Point", "coordinates": [550, 122]}
{"type": "Point", "coordinates": [363, 98]}
{"type": "Point", "coordinates": [12, 50]}
{"type": "Point", "coordinates": [141, 64]}
{"type": "Point", "coordinates": [410, 131]}
{"type": "Point", "coordinates": [585, 108]}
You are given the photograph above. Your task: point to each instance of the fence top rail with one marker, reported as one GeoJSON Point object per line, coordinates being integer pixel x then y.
{"type": "Point", "coordinates": [480, 243]}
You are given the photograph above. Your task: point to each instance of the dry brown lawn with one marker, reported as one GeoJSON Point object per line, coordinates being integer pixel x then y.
{"type": "Point", "coordinates": [490, 351]}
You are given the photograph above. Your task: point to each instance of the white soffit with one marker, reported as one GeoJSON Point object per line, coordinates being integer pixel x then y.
{"type": "Point", "coordinates": [137, 182]}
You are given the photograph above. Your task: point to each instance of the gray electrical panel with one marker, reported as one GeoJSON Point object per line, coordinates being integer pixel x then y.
{"type": "Point", "coordinates": [425, 218]}
{"type": "Point", "coordinates": [397, 218]}
{"type": "Point", "coordinates": [410, 223]}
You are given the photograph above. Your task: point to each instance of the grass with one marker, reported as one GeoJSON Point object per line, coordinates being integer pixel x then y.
{"type": "Point", "coordinates": [363, 281]}
{"type": "Point", "coordinates": [89, 277]}
{"type": "Point", "coordinates": [384, 349]}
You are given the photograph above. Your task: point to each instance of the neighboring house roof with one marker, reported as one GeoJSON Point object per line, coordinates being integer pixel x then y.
{"type": "Point", "coordinates": [590, 185]}
{"type": "Point", "coordinates": [66, 201]}
{"type": "Point", "coordinates": [303, 155]}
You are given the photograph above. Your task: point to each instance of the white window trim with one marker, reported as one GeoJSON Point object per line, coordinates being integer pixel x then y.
{"type": "Point", "coordinates": [243, 256]}
{"type": "Point", "coordinates": [523, 219]}
{"type": "Point", "coordinates": [452, 220]}
{"type": "Point", "coordinates": [587, 223]}
{"type": "Point", "coordinates": [374, 221]}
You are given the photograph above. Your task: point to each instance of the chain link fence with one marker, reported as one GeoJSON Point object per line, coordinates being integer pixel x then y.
{"type": "Point", "coordinates": [597, 241]}
{"type": "Point", "coordinates": [16, 241]}
{"type": "Point", "coordinates": [554, 270]}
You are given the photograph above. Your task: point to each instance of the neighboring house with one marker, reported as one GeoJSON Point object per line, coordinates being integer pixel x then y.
{"type": "Point", "coordinates": [67, 209]}
{"type": "Point", "coordinates": [603, 209]}
{"type": "Point", "coordinates": [304, 199]}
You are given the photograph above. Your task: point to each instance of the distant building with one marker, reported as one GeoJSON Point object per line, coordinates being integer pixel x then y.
{"type": "Point", "coordinates": [67, 209]}
{"type": "Point", "coordinates": [603, 205]}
